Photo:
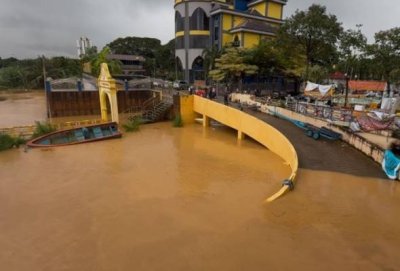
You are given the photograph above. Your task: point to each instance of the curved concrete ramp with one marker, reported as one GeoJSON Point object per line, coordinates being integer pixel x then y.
{"type": "Point", "coordinates": [248, 125]}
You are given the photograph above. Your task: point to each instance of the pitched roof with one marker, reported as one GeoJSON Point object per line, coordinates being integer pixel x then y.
{"type": "Point", "coordinates": [255, 25]}
{"type": "Point", "coordinates": [253, 12]}
{"type": "Point", "coordinates": [367, 85]}
{"type": "Point", "coordinates": [337, 76]}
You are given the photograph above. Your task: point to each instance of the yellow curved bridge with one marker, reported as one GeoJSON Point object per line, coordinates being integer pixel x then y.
{"type": "Point", "coordinates": [245, 125]}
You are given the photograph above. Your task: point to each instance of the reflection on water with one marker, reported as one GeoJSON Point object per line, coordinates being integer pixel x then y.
{"type": "Point", "coordinates": [21, 109]}
{"type": "Point", "coordinates": [187, 199]}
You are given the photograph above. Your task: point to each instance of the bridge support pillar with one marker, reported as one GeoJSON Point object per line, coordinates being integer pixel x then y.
{"type": "Point", "coordinates": [240, 135]}
{"type": "Point", "coordinates": [206, 121]}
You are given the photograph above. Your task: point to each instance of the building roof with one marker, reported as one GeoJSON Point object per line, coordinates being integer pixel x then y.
{"type": "Point", "coordinates": [337, 76]}
{"type": "Point", "coordinates": [367, 85]}
{"type": "Point", "coordinates": [246, 14]}
{"type": "Point", "coordinates": [253, 12]}
{"type": "Point", "coordinates": [255, 26]}
{"type": "Point", "coordinates": [253, 2]}
{"type": "Point", "coordinates": [126, 57]}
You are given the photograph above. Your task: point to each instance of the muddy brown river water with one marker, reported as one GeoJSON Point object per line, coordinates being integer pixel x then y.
{"type": "Point", "coordinates": [21, 109]}
{"type": "Point", "coordinates": [188, 199]}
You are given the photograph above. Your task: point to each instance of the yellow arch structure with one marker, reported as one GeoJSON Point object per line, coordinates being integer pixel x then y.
{"type": "Point", "coordinates": [245, 124]}
{"type": "Point", "coordinates": [107, 90]}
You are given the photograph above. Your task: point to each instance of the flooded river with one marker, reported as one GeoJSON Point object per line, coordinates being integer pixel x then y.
{"type": "Point", "coordinates": [21, 109]}
{"type": "Point", "coordinates": [188, 199]}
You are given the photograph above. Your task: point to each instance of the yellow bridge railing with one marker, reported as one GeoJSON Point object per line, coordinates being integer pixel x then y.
{"type": "Point", "coordinates": [246, 124]}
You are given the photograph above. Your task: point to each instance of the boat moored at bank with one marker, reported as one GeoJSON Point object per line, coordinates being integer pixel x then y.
{"type": "Point", "coordinates": [79, 135]}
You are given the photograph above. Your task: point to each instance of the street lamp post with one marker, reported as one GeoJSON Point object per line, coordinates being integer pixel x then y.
{"type": "Point", "coordinates": [346, 90]}
{"type": "Point", "coordinates": [45, 87]}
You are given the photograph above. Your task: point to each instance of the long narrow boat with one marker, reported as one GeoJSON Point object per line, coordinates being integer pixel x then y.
{"type": "Point", "coordinates": [79, 135]}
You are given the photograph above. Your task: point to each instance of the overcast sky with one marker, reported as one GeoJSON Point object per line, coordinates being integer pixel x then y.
{"type": "Point", "coordinates": [29, 28]}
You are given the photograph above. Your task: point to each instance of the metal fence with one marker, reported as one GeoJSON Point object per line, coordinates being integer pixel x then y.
{"type": "Point", "coordinates": [321, 111]}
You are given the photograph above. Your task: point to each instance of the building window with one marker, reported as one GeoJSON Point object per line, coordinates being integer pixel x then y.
{"type": "Point", "coordinates": [199, 20]}
{"type": "Point", "coordinates": [216, 28]}
{"type": "Point", "coordinates": [198, 69]}
{"type": "Point", "coordinates": [179, 22]}
{"type": "Point", "coordinates": [199, 41]}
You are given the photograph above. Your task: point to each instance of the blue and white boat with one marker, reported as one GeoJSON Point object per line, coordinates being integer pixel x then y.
{"type": "Point", "coordinates": [79, 135]}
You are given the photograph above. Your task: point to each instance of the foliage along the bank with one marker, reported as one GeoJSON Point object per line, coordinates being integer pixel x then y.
{"type": "Point", "coordinates": [28, 73]}
{"type": "Point", "coordinates": [43, 128]}
{"type": "Point", "coordinates": [8, 142]}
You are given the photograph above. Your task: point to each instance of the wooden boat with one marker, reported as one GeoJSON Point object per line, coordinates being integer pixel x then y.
{"type": "Point", "coordinates": [79, 135]}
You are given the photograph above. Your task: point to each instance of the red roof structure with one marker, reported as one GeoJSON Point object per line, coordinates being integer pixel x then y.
{"type": "Point", "coordinates": [359, 85]}
{"type": "Point", "coordinates": [337, 76]}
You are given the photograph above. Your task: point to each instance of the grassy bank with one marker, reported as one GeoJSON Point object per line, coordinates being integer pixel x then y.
{"type": "Point", "coordinates": [9, 142]}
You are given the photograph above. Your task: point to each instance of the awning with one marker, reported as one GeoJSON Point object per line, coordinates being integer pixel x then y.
{"type": "Point", "coordinates": [323, 89]}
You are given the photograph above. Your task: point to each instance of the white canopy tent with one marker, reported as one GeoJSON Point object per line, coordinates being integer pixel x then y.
{"type": "Point", "coordinates": [323, 89]}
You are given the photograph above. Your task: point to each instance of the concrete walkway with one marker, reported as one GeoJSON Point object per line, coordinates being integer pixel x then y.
{"type": "Point", "coordinates": [323, 154]}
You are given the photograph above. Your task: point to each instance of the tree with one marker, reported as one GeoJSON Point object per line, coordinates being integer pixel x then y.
{"type": "Point", "coordinates": [318, 74]}
{"type": "Point", "coordinates": [11, 77]}
{"type": "Point", "coordinates": [145, 47]}
{"type": "Point", "coordinates": [5, 62]}
{"type": "Point", "coordinates": [90, 54]}
{"type": "Point", "coordinates": [352, 47]}
{"type": "Point", "coordinates": [165, 60]}
{"type": "Point", "coordinates": [113, 65]}
{"type": "Point", "coordinates": [210, 55]}
{"type": "Point", "coordinates": [313, 33]}
{"type": "Point", "coordinates": [269, 59]}
{"type": "Point", "coordinates": [231, 66]}
{"type": "Point", "coordinates": [386, 52]}
{"type": "Point", "coordinates": [159, 59]}
{"type": "Point", "coordinates": [395, 77]}
{"type": "Point", "coordinates": [28, 73]}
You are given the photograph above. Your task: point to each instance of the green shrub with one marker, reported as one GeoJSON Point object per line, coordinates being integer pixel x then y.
{"type": "Point", "coordinates": [177, 122]}
{"type": "Point", "coordinates": [42, 129]}
{"type": "Point", "coordinates": [18, 141]}
{"type": "Point", "coordinates": [133, 125]}
{"type": "Point", "coordinates": [8, 142]}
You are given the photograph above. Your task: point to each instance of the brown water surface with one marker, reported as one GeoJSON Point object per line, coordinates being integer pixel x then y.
{"type": "Point", "coordinates": [20, 109]}
{"type": "Point", "coordinates": [187, 199]}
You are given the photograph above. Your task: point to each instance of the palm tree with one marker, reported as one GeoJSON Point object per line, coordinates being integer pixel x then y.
{"type": "Point", "coordinates": [113, 65]}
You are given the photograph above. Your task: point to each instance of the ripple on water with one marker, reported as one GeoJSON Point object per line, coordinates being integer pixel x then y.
{"type": "Point", "coordinates": [187, 199]}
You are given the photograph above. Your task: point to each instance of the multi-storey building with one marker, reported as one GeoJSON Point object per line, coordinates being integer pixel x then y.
{"type": "Point", "coordinates": [130, 64]}
{"type": "Point", "coordinates": [200, 24]}
{"type": "Point", "coordinates": [82, 45]}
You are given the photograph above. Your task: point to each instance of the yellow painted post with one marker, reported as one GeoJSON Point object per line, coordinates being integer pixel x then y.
{"type": "Point", "coordinates": [107, 90]}
{"type": "Point", "coordinates": [186, 109]}
{"type": "Point", "coordinates": [240, 135]}
{"type": "Point", "coordinates": [206, 121]}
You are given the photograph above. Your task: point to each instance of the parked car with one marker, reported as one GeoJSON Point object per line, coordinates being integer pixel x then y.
{"type": "Point", "coordinates": [180, 85]}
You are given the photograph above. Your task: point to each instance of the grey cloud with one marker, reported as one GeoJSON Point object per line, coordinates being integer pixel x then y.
{"type": "Point", "coordinates": [29, 28]}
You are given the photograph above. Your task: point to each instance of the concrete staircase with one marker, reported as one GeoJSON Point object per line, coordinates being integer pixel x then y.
{"type": "Point", "coordinates": [157, 112]}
